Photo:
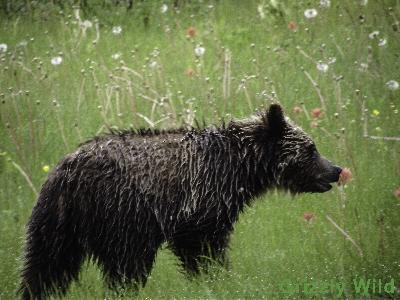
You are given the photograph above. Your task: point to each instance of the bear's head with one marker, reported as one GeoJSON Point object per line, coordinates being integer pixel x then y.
{"type": "Point", "coordinates": [296, 164]}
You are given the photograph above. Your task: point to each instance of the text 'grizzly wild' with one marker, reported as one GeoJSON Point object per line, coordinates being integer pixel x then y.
{"type": "Point", "coordinates": [120, 196]}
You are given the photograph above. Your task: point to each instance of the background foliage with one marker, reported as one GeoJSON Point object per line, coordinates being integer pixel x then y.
{"type": "Point", "coordinates": [70, 72]}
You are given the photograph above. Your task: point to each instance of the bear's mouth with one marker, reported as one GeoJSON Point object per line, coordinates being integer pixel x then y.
{"type": "Point", "coordinates": [323, 186]}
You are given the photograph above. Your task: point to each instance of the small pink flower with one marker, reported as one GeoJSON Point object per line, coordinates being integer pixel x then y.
{"type": "Point", "coordinates": [190, 72]}
{"type": "Point", "coordinates": [396, 192]}
{"type": "Point", "coordinates": [345, 176]}
{"type": "Point", "coordinates": [292, 25]}
{"type": "Point", "coordinates": [308, 216]}
{"type": "Point", "coordinates": [297, 110]}
{"type": "Point", "coordinates": [317, 113]}
{"type": "Point", "coordinates": [191, 32]}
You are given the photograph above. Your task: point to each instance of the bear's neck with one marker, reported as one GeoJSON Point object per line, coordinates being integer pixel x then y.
{"type": "Point", "coordinates": [248, 163]}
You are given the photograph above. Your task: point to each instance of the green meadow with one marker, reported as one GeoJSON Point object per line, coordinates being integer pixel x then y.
{"type": "Point", "coordinates": [68, 73]}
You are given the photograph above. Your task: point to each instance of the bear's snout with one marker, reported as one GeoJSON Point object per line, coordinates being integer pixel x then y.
{"type": "Point", "coordinates": [332, 175]}
{"type": "Point", "coordinates": [338, 170]}
{"type": "Point", "coordinates": [328, 173]}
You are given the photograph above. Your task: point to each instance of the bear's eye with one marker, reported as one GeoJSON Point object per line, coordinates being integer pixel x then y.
{"type": "Point", "coordinates": [313, 150]}
{"type": "Point", "coordinates": [315, 154]}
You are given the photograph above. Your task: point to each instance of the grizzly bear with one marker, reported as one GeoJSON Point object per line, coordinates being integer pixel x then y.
{"type": "Point", "coordinates": [120, 196]}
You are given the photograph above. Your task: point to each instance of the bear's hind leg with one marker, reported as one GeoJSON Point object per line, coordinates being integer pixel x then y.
{"type": "Point", "coordinates": [53, 257]}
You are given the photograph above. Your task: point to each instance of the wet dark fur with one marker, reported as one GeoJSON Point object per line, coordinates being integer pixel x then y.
{"type": "Point", "coordinates": [120, 196]}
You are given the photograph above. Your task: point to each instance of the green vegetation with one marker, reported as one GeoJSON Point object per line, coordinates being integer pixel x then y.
{"type": "Point", "coordinates": [154, 73]}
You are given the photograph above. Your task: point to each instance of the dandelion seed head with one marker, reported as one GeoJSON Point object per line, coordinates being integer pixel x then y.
{"type": "Point", "coordinates": [57, 60]}
{"type": "Point", "coordinates": [260, 10]}
{"type": "Point", "coordinates": [87, 24]}
{"type": "Point", "coordinates": [382, 42]}
{"type": "Point", "coordinates": [23, 43]}
{"type": "Point", "coordinates": [331, 60]}
{"type": "Point", "coordinates": [164, 8]}
{"type": "Point", "coordinates": [116, 55]}
{"type": "Point", "coordinates": [374, 34]}
{"type": "Point", "coordinates": [199, 51]}
{"type": "Point", "coordinates": [3, 47]}
{"type": "Point", "coordinates": [153, 64]}
{"type": "Point", "coordinates": [322, 67]}
{"type": "Point", "coordinates": [392, 85]}
{"type": "Point", "coordinates": [156, 52]}
{"type": "Point", "coordinates": [363, 67]}
{"type": "Point", "coordinates": [116, 30]}
{"type": "Point", "coordinates": [274, 3]}
{"type": "Point", "coordinates": [325, 3]}
{"type": "Point", "coordinates": [310, 13]}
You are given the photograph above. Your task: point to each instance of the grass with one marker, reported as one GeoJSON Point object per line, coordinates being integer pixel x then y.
{"type": "Point", "coordinates": [249, 61]}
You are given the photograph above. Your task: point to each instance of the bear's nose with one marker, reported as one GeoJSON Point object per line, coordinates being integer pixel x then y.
{"type": "Point", "coordinates": [338, 169]}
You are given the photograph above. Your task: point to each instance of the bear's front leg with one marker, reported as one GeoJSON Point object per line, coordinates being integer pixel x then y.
{"type": "Point", "coordinates": [196, 250]}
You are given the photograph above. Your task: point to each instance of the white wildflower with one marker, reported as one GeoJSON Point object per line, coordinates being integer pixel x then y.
{"type": "Point", "coordinates": [3, 47]}
{"type": "Point", "coordinates": [322, 67]}
{"type": "Point", "coordinates": [373, 34]}
{"type": "Point", "coordinates": [274, 3]}
{"type": "Point", "coordinates": [23, 43]}
{"type": "Point", "coordinates": [392, 85]}
{"type": "Point", "coordinates": [382, 42]}
{"type": "Point", "coordinates": [260, 9]}
{"type": "Point", "coordinates": [155, 52]}
{"type": "Point", "coordinates": [310, 13]}
{"type": "Point", "coordinates": [116, 55]}
{"type": "Point", "coordinates": [87, 24]}
{"type": "Point", "coordinates": [199, 50]}
{"type": "Point", "coordinates": [325, 3]}
{"type": "Point", "coordinates": [77, 14]}
{"type": "Point", "coordinates": [55, 61]}
{"type": "Point", "coordinates": [363, 67]}
{"type": "Point", "coordinates": [153, 64]}
{"type": "Point", "coordinates": [117, 30]}
{"type": "Point", "coordinates": [331, 60]}
{"type": "Point", "coordinates": [164, 8]}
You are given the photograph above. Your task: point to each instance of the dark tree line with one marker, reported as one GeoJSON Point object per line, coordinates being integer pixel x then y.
{"type": "Point", "coordinates": [10, 7]}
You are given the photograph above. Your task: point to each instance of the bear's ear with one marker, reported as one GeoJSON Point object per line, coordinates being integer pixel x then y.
{"type": "Point", "coordinates": [276, 120]}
